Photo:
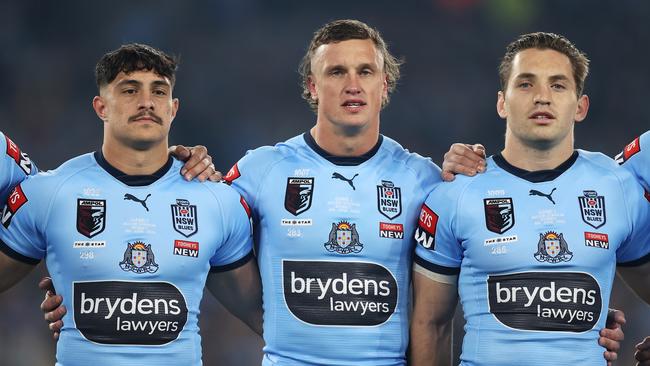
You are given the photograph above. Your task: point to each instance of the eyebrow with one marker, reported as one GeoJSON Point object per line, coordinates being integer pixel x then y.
{"type": "Point", "coordinates": [139, 83]}
{"type": "Point", "coordinates": [552, 78]}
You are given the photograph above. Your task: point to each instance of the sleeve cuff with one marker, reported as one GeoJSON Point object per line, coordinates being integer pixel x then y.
{"type": "Point", "coordinates": [637, 262]}
{"type": "Point", "coordinates": [236, 264]}
{"type": "Point", "coordinates": [448, 271]}
{"type": "Point", "coordinates": [17, 256]}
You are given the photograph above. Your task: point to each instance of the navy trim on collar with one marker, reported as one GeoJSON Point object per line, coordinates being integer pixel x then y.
{"type": "Point", "coordinates": [536, 176]}
{"type": "Point", "coordinates": [342, 160]}
{"type": "Point", "coordinates": [132, 180]}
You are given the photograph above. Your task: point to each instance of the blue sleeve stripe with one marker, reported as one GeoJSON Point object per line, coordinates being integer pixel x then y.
{"type": "Point", "coordinates": [636, 262]}
{"type": "Point", "coordinates": [236, 264]}
{"type": "Point", "coordinates": [17, 256]}
{"type": "Point", "coordinates": [436, 268]}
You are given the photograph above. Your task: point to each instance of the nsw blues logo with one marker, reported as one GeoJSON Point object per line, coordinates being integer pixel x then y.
{"type": "Point", "coordinates": [344, 238]}
{"type": "Point", "coordinates": [592, 209]}
{"type": "Point", "coordinates": [389, 199]}
{"type": "Point", "coordinates": [139, 258]}
{"type": "Point", "coordinates": [184, 218]}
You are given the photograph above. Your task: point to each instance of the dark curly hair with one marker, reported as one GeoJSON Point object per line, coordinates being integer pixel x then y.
{"type": "Point", "coordinates": [134, 57]}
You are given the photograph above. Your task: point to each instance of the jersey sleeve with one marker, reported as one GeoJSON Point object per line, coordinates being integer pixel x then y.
{"type": "Point", "coordinates": [247, 175]}
{"type": "Point", "coordinates": [635, 157]}
{"type": "Point", "coordinates": [237, 246]}
{"type": "Point", "coordinates": [438, 249]}
{"type": "Point", "coordinates": [15, 166]}
{"type": "Point", "coordinates": [23, 220]}
{"type": "Point", "coordinates": [635, 250]}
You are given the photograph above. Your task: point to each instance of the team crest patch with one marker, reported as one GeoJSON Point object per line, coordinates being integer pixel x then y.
{"type": "Point", "coordinates": [91, 217]}
{"type": "Point", "coordinates": [552, 248]}
{"type": "Point", "coordinates": [184, 218]}
{"type": "Point", "coordinates": [389, 199]}
{"type": "Point", "coordinates": [499, 214]}
{"type": "Point", "coordinates": [139, 258]}
{"type": "Point", "coordinates": [344, 238]}
{"type": "Point", "coordinates": [297, 197]}
{"type": "Point", "coordinates": [592, 209]}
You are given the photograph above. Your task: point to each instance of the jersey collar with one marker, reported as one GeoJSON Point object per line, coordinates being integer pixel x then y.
{"type": "Point", "coordinates": [132, 180]}
{"type": "Point", "coordinates": [536, 176]}
{"type": "Point", "coordinates": [342, 160]}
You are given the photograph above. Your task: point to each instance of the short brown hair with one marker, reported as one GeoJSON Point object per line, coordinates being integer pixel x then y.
{"type": "Point", "coordinates": [344, 30]}
{"type": "Point", "coordinates": [543, 40]}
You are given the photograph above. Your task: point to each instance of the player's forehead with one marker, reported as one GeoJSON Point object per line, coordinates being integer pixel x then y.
{"type": "Point", "coordinates": [541, 63]}
{"type": "Point", "coordinates": [351, 52]}
{"type": "Point", "coordinates": [141, 77]}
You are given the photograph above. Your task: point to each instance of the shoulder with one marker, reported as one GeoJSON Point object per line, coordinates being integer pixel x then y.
{"type": "Point", "coordinates": [53, 178]}
{"type": "Point", "coordinates": [260, 160]}
{"type": "Point", "coordinates": [421, 167]}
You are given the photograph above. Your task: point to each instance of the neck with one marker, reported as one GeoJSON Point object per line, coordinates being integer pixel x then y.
{"type": "Point", "coordinates": [535, 157]}
{"type": "Point", "coordinates": [346, 141]}
{"type": "Point", "coordinates": [136, 162]}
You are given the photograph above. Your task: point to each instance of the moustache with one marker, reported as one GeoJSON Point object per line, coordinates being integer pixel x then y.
{"type": "Point", "coordinates": [153, 116]}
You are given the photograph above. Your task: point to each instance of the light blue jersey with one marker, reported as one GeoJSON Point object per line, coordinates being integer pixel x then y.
{"type": "Point", "coordinates": [536, 254]}
{"type": "Point", "coordinates": [635, 157]}
{"type": "Point", "coordinates": [15, 165]}
{"type": "Point", "coordinates": [129, 254]}
{"type": "Point", "coordinates": [335, 249]}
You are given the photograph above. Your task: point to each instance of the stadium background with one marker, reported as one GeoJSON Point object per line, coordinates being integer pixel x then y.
{"type": "Point", "coordinates": [239, 89]}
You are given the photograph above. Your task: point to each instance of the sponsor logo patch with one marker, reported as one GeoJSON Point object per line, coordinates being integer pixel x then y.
{"type": "Point", "coordinates": [139, 258]}
{"type": "Point", "coordinates": [597, 240]}
{"type": "Point", "coordinates": [91, 217]}
{"type": "Point", "coordinates": [87, 244]}
{"type": "Point", "coordinates": [592, 208]}
{"type": "Point", "coordinates": [552, 248]}
{"type": "Point", "coordinates": [632, 148]}
{"type": "Point", "coordinates": [296, 222]}
{"type": "Point", "coordinates": [344, 238]}
{"type": "Point", "coordinates": [298, 195]}
{"type": "Point", "coordinates": [391, 231]}
{"type": "Point", "coordinates": [186, 248]}
{"type": "Point", "coordinates": [184, 218]}
{"type": "Point", "coordinates": [425, 233]}
{"type": "Point", "coordinates": [546, 301]}
{"type": "Point", "coordinates": [129, 313]}
{"type": "Point", "coordinates": [500, 240]}
{"type": "Point", "coordinates": [389, 199]}
{"type": "Point", "coordinates": [233, 174]}
{"type": "Point", "coordinates": [499, 214]}
{"type": "Point", "coordinates": [22, 159]}
{"type": "Point", "coordinates": [15, 201]}
{"type": "Point", "coordinates": [339, 293]}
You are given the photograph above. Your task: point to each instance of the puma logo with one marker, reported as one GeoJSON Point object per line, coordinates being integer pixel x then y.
{"type": "Point", "coordinates": [339, 176]}
{"type": "Point", "coordinates": [538, 193]}
{"type": "Point", "coordinates": [130, 197]}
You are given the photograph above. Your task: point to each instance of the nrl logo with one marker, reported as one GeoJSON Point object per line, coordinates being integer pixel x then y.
{"type": "Point", "coordinates": [184, 218]}
{"type": "Point", "coordinates": [552, 248]}
{"type": "Point", "coordinates": [139, 258]}
{"type": "Point", "coordinates": [91, 217]}
{"type": "Point", "coordinates": [298, 194]}
{"type": "Point", "coordinates": [344, 238]}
